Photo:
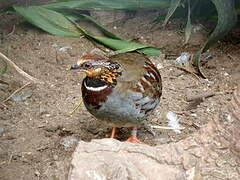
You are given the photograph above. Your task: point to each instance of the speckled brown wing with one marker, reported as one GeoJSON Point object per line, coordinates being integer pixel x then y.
{"type": "Point", "coordinates": [141, 76]}
{"type": "Point", "coordinates": [138, 73]}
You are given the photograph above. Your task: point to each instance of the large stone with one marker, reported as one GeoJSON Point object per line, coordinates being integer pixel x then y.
{"type": "Point", "coordinates": [112, 159]}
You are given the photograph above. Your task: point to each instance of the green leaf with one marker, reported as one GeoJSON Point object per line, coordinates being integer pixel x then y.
{"type": "Point", "coordinates": [108, 4]}
{"type": "Point", "coordinates": [171, 10]}
{"type": "Point", "coordinates": [227, 18]}
{"type": "Point", "coordinates": [150, 51]}
{"type": "Point", "coordinates": [117, 44]}
{"type": "Point", "coordinates": [160, 18]}
{"type": "Point", "coordinates": [121, 45]}
{"type": "Point", "coordinates": [48, 20]}
{"type": "Point", "coordinates": [188, 28]}
{"type": "Point", "coordinates": [63, 23]}
{"type": "Point", "coordinates": [74, 15]}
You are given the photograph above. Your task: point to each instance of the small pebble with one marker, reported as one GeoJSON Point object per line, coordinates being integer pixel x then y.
{"type": "Point", "coordinates": [21, 97]}
{"type": "Point", "coordinates": [37, 173]}
{"type": "Point", "coordinates": [1, 131]}
{"type": "Point", "coordinates": [69, 141]}
{"type": "Point", "coordinates": [42, 111]}
{"type": "Point", "coordinates": [197, 27]}
{"type": "Point", "coordinates": [194, 115]}
{"type": "Point", "coordinates": [226, 74]}
{"type": "Point", "coordinates": [159, 66]}
{"type": "Point", "coordinates": [183, 59]}
{"type": "Point", "coordinates": [64, 48]}
{"type": "Point", "coordinates": [54, 45]}
{"type": "Point", "coordinates": [173, 121]}
{"type": "Point", "coordinates": [55, 157]}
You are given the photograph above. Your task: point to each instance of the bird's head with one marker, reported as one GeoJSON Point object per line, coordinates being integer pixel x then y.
{"type": "Point", "coordinates": [98, 66]}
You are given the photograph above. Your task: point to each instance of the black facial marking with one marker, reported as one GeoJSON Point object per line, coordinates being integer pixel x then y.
{"type": "Point", "coordinates": [94, 82]}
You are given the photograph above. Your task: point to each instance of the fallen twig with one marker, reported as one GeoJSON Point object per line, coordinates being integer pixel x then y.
{"type": "Point", "coordinates": [12, 31]}
{"type": "Point", "coordinates": [20, 70]}
{"type": "Point", "coordinates": [10, 158]}
{"type": "Point", "coordinates": [190, 98]}
{"type": "Point", "coordinates": [76, 107]}
{"type": "Point", "coordinates": [166, 127]}
{"type": "Point", "coordinates": [16, 91]}
{"type": "Point", "coordinates": [186, 70]}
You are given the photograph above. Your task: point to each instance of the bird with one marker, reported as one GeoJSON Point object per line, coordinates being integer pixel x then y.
{"type": "Point", "coordinates": [121, 89]}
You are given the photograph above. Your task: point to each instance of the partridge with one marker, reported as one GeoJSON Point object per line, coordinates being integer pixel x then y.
{"type": "Point", "coordinates": [122, 89]}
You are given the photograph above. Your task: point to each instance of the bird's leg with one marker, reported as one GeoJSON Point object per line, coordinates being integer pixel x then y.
{"type": "Point", "coordinates": [133, 138]}
{"type": "Point", "coordinates": [113, 132]}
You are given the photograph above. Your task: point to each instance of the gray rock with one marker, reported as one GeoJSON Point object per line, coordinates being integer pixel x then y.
{"type": "Point", "coordinates": [111, 159]}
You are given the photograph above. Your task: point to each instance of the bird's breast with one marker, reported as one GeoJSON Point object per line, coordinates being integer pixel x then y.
{"type": "Point", "coordinates": [95, 92]}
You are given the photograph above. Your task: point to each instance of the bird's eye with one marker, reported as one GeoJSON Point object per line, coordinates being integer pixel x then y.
{"type": "Point", "coordinates": [87, 65]}
{"type": "Point", "coordinates": [117, 66]}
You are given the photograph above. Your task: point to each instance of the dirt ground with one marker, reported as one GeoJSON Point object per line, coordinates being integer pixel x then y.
{"type": "Point", "coordinates": [38, 132]}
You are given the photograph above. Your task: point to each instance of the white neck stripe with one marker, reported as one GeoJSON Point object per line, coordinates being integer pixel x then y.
{"type": "Point", "coordinates": [95, 88]}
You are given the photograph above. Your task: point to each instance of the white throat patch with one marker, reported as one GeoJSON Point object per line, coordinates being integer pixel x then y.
{"type": "Point", "coordinates": [95, 88]}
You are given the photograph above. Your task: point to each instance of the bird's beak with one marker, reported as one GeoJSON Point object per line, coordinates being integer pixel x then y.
{"type": "Point", "coordinates": [74, 66]}
{"type": "Point", "coordinates": [78, 65]}
{"type": "Point", "coordinates": [89, 72]}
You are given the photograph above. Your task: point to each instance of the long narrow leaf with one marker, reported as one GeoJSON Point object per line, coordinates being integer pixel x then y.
{"type": "Point", "coordinates": [48, 20]}
{"type": "Point", "coordinates": [108, 4]}
{"type": "Point", "coordinates": [188, 28]}
{"type": "Point", "coordinates": [171, 10]}
{"type": "Point", "coordinates": [150, 51]}
{"type": "Point", "coordinates": [117, 44]}
{"type": "Point", "coordinates": [58, 23]}
{"type": "Point", "coordinates": [121, 45]}
{"type": "Point", "coordinates": [227, 18]}
{"type": "Point", "coordinates": [75, 15]}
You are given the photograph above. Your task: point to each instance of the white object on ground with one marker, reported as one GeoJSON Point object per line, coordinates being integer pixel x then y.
{"type": "Point", "coordinates": [173, 121]}
{"type": "Point", "coordinates": [183, 59]}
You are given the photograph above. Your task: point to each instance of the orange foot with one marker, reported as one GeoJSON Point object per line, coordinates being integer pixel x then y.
{"type": "Point", "coordinates": [113, 132]}
{"type": "Point", "coordinates": [134, 139]}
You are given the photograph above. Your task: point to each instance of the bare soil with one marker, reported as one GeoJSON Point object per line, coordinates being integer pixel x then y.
{"type": "Point", "coordinates": [35, 129]}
